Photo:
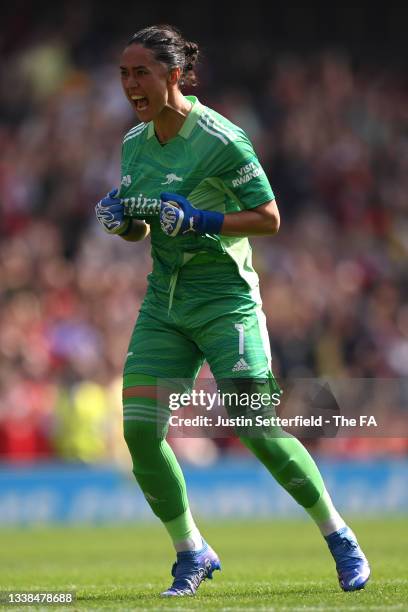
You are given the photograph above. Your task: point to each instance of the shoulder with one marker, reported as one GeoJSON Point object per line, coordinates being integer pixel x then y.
{"type": "Point", "coordinates": [216, 127]}
{"type": "Point", "coordinates": [135, 134]}
{"type": "Point", "coordinates": [226, 139]}
{"type": "Point", "coordinates": [224, 147]}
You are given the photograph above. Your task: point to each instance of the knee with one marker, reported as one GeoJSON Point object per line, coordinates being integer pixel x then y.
{"type": "Point", "coordinates": [132, 432]}
{"type": "Point", "coordinates": [142, 438]}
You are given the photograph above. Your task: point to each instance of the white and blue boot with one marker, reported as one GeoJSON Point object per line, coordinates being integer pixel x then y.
{"type": "Point", "coordinates": [352, 566]}
{"type": "Point", "coordinates": [191, 569]}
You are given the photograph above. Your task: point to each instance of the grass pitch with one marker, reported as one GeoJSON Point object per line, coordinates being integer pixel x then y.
{"type": "Point", "coordinates": [270, 566]}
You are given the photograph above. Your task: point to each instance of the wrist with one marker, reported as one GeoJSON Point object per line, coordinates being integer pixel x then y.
{"type": "Point", "coordinates": [127, 228]}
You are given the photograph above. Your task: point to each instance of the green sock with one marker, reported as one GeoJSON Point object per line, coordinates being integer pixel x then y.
{"type": "Point", "coordinates": [158, 472]}
{"type": "Point", "coordinates": [291, 465]}
{"type": "Point", "coordinates": [155, 466]}
{"type": "Point", "coordinates": [283, 455]}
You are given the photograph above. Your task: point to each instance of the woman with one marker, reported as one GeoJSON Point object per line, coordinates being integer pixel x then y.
{"type": "Point", "coordinates": [199, 172]}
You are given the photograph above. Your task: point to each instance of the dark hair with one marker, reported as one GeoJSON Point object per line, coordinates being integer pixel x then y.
{"type": "Point", "coordinates": [169, 47]}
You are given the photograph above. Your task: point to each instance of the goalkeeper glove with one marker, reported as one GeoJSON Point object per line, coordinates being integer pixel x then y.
{"type": "Point", "coordinates": [110, 213]}
{"type": "Point", "coordinates": [178, 216]}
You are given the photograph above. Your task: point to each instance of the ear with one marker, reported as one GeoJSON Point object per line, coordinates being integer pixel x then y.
{"type": "Point", "coordinates": [174, 76]}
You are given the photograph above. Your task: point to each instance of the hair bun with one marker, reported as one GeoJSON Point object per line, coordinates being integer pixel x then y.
{"type": "Point", "coordinates": [191, 52]}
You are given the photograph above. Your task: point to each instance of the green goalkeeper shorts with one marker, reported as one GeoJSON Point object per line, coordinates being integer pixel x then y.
{"type": "Point", "coordinates": [221, 324]}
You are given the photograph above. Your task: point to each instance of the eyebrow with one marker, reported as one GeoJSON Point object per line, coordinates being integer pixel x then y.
{"type": "Point", "coordinates": [133, 67]}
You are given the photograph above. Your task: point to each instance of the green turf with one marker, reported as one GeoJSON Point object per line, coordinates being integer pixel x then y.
{"type": "Point", "coordinates": [266, 566]}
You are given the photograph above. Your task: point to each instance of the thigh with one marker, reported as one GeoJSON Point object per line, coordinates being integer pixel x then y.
{"type": "Point", "coordinates": [159, 349]}
{"type": "Point", "coordinates": [236, 345]}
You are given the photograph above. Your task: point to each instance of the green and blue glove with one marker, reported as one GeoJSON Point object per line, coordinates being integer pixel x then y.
{"type": "Point", "coordinates": [178, 216]}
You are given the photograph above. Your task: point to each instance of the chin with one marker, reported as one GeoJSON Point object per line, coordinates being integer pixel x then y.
{"type": "Point", "coordinates": [146, 115]}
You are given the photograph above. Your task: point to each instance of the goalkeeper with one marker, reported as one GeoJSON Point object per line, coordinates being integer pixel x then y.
{"type": "Point", "coordinates": [192, 178]}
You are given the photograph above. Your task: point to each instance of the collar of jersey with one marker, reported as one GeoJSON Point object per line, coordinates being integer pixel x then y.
{"type": "Point", "coordinates": [192, 118]}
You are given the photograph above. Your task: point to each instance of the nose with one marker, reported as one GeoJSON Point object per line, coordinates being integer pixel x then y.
{"type": "Point", "coordinates": [132, 82]}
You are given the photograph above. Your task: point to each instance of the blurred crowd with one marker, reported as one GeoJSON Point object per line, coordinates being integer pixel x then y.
{"type": "Point", "coordinates": [333, 141]}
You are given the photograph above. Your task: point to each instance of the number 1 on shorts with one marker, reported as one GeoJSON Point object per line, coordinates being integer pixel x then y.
{"type": "Point", "coordinates": [240, 328]}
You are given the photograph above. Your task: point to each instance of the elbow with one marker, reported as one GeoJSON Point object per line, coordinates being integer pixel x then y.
{"type": "Point", "coordinates": [273, 224]}
{"type": "Point", "coordinates": [271, 218]}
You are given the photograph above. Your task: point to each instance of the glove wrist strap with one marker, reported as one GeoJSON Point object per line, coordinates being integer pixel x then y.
{"type": "Point", "coordinates": [212, 222]}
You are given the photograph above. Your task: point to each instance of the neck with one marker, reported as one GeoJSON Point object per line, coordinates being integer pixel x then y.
{"type": "Point", "coordinates": [172, 117]}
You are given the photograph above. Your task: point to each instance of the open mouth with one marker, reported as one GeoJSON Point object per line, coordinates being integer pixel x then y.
{"type": "Point", "coordinates": [140, 102]}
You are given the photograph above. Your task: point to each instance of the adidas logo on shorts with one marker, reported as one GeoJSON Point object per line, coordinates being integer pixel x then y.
{"type": "Point", "coordinates": [241, 365]}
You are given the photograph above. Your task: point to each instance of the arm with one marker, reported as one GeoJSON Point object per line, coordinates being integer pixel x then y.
{"type": "Point", "coordinates": [262, 220]}
{"type": "Point", "coordinates": [178, 216]}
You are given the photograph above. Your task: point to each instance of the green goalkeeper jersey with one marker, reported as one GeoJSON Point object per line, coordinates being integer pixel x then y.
{"type": "Point", "coordinates": [212, 163]}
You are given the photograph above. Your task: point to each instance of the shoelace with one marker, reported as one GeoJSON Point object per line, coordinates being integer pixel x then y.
{"type": "Point", "coordinates": [348, 548]}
